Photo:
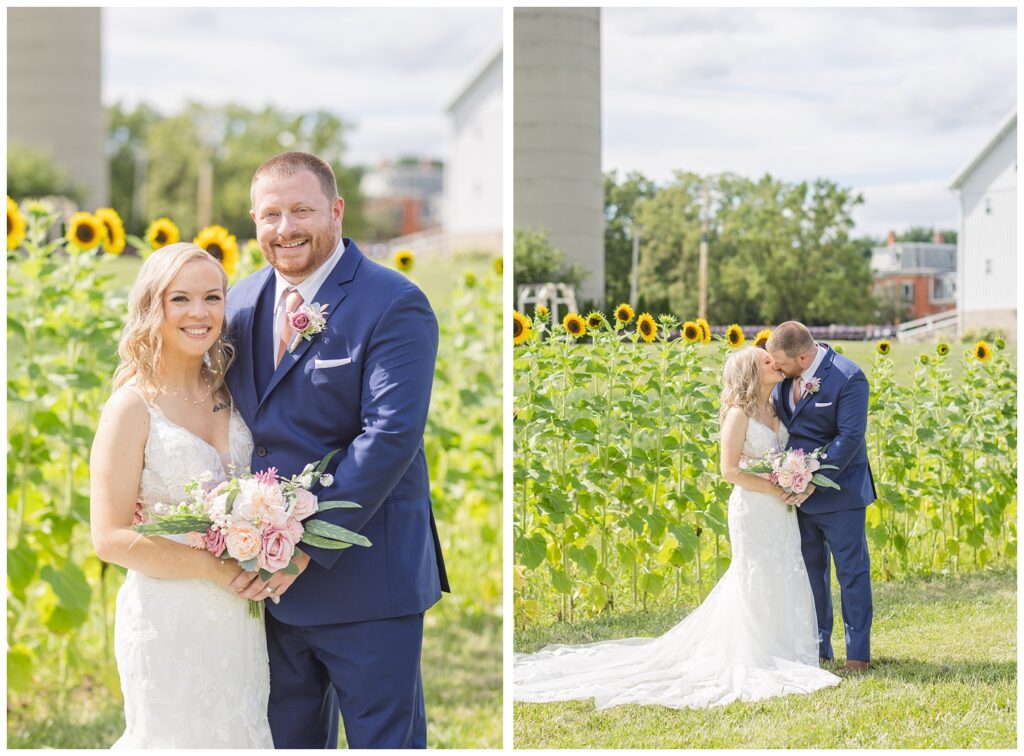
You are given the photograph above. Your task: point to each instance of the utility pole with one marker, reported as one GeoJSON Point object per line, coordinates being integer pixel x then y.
{"type": "Point", "coordinates": [702, 283]}
{"type": "Point", "coordinates": [635, 233]}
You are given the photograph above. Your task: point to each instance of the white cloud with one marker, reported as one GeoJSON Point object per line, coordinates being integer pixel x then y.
{"type": "Point", "coordinates": [869, 97]}
{"type": "Point", "coordinates": [388, 71]}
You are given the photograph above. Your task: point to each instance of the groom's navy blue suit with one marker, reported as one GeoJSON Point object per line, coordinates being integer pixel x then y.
{"type": "Point", "coordinates": [831, 521]}
{"type": "Point", "coordinates": [347, 634]}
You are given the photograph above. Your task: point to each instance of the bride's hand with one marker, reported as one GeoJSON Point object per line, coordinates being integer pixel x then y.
{"type": "Point", "coordinates": [227, 572]}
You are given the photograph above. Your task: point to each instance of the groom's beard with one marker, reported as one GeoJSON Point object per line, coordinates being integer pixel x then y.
{"type": "Point", "coordinates": [321, 245]}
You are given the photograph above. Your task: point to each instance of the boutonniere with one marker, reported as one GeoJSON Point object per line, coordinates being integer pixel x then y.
{"type": "Point", "coordinates": [308, 320]}
{"type": "Point", "coordinates": [812, 386]}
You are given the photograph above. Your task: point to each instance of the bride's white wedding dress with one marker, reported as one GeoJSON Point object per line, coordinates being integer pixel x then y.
{"type": "Point", "coordinates": [193, 663]}
{"type": "Point", "coordinates": [754, 637]}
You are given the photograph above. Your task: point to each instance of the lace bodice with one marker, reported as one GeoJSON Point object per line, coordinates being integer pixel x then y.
{"type": "Point", "coordinates": [175, 455]}
{"type": "Point", "coordinates": [761, 439]}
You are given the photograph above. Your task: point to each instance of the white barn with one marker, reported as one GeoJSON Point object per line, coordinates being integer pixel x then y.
{"type": "Point", "coordinates": [987, 243]}
{"type": "Point", "coordinates": [472, 214]}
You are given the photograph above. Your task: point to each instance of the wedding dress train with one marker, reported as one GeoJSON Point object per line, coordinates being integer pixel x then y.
{"type": "Point", "coordinates": [193, 663]}
{"type": "Point", "coordinates": [754, 637]}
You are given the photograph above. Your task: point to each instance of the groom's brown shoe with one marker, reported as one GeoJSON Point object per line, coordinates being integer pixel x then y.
{"type": "Point", "coordinates": [854, 667]}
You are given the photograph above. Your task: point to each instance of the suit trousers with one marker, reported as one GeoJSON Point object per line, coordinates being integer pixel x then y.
{"type": "Point", "coordinates": [369, 671]}
{"type": "Point", "coordinates": [839, 535]}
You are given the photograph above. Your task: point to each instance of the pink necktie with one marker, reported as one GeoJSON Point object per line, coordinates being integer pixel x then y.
{"type": "Point", "coordinates": [796, 390]}
{"type": "Point", "coordinates": [292, 301]}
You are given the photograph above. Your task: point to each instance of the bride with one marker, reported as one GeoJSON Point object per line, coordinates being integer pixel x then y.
{"type": "Point", "coordinates": [193, 663]}
{"type": "Point", "coordinates": [755, 636]}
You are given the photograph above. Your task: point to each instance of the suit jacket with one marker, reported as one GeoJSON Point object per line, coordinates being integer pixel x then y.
{"type": "Point", "coordinates": [836, 414]}
{"type": "Point", "coordinates": [362, 386]}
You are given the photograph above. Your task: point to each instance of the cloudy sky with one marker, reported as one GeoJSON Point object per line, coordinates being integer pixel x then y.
{"type": "Point", "coordinates": [891, 102]}
{"type": "Point", "coordinates": [389, 72]}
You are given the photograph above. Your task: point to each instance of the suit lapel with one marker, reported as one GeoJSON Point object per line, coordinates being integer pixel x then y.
{"type": "Point", "coordinates": [332, 293]}
{"type": "Point", "coordinates": [247, 345]}
{"type": "Point", "coordinates": [820, 373]}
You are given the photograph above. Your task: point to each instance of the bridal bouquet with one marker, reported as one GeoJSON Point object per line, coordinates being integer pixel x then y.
{"type": "Point", "coordinates": [256, 519]}
{"type": "Point", "coordinates": [793, 469]}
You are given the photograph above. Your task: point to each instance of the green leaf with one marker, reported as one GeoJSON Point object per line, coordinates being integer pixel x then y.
{"type": "Point", "coordinates": [322, 464]}
{"type": "Point", "coordinates": [335, 532]}
{"type": "Point", "coordinates": [21, 566]}
{"type": "Point", "coordinates": [586, 558]}
{"type": "Point", "coordinates": [265, 575]}
{"type": "Point", "coordinates": [560, 581]}
{"type": "Point", "coordinates": [323, 506]}
{"type": "Point", "coordinates": [19, 667]}
{"type": "Point", "coordinates": [323, 543]}
{"type": "Point", "coordinates": [291, 569]}
{"type": "Point", "coordinates": [71, 588]}
{"type": "Point", "coordinates": [532, 550]}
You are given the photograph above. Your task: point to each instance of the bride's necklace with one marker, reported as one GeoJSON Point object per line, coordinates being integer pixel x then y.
{"type": "Point", "coordinates": [190, 400]}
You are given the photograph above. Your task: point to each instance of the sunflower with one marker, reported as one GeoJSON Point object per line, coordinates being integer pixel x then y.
{"type": "Point", "coordinates": [691, 332]}
{"type": "Point", "coordinates": [1000, 343]}
{"type": "Point", "coordinates": [705, 330]}
{"type": "Point", "coordinates": [114, 242]}
{"type": "Point", "coordinates": [521, 327]}
{"type": "Point", "coordinates": [15, 225]}
{"type": "Point", "coordinates": [884, 346]}
{"type": "Point", "coordinates": [624, 314]}
{"type": "Point", "coordinates": [470, 279]}
{"type": "Point", "coordinates": [646, 327]}
{"type": "Point", "coordinates": [541, 311]}
{"type": "Point", "coordinates": [595, 320]}
{"type": "Point", "coordinates": [761, 340]}
{"type": "Point", "coordinates": [734, 335]}
{"type": "Point", "coordinates": [220, 244]}
{"type": "Point", "coordinates": [162, 232]}
{"type": "Point", "coordinates": [574, 325]}
{"type": "Point", "coordinates": [85, 231]}
{"type": "Point", "coordinates": [499, 265]}
{"type": "Point", "coordinates": [942, 349]}
{"type": "Point", "coordinates": [403, 259]}
{"type": "Point", "coordinates": [982, 351]}
{"type": "Point", "coordinates": [837, 348]}
{"type": "Point", "coordinates": [925, 359]}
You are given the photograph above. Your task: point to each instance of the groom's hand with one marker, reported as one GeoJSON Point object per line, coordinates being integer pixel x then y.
{"type": "Point", "coordinates": [249, 584]}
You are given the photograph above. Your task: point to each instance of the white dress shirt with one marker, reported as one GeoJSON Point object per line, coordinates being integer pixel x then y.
{"type": "Point", "coordinates": [807, 375]}
{"type": "Point", "coordinates": [308, 289]}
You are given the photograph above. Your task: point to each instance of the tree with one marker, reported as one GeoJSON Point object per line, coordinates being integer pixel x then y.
{"type": "Point", "coordinates": [32, 172]}
{"type": "Point", "coordinates": [777, 251]}
{"type": "Point", "coordinates": [620, 205]}
{"type": "Point", "coordinates": [926, 234]}
{"type": "Point", "coordinates": [537, 261]}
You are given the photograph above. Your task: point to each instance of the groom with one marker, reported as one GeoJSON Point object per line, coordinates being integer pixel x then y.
{"type": "Point", "coordinates": [347, 632]}
{"type": "Point", "coordinates": [824, 400]}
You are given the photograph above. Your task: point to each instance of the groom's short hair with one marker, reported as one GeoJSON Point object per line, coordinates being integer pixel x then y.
{"type": "Point", "coordinates": [791, 337]}
{"type": "Point", "coordinates": [289, 163]}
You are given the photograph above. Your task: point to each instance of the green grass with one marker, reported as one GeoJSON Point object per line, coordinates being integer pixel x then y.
{"type": "Point", "coordinates": [944, 676]}
{"type": "Point", "coordinates": [461, 678]}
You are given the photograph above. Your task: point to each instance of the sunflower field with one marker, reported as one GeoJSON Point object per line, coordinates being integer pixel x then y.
{"type": "Point", "coordinates": [618, 501]}
{"type": "Point", "coordinates": [66, 304]}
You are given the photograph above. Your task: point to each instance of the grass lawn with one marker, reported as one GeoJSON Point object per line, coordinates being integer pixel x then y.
{"type": "Point", "coordinates": [461, 677]}
{"type": "Point", "coordinates": [944, 676]}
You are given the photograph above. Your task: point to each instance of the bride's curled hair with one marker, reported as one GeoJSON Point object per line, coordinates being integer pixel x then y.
{"type": "Point", "coordinates": [741, 378]}
{"type": "Point", "coordinates": [141, 341]}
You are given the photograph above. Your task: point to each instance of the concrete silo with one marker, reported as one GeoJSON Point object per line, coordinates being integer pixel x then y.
{"type": "Point", "coordinates": [557, 134]}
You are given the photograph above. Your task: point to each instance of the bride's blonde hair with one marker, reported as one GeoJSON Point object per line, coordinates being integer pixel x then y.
{"type": "Point", "coordinates": [141, 340]}
{"type": "Point", "coordinates": [741, 378]}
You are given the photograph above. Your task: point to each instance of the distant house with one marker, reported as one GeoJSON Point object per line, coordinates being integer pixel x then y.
{"type": "Point", "coordinates": [918, 278]}
{"type": "Point", "coordinates": [472, 191]}
{"type": "Point", "coordinates": [402, 197]}
{"type": "Point", "coordinates": [987, 242]}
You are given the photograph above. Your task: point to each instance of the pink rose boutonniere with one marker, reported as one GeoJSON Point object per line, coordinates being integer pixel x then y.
{"type": "Point", "coordinates": [812, 386]}
{"type": "Point", "coordinates": [308, 320]}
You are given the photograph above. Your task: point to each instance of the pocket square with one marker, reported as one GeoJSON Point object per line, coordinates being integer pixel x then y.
{"type": "Point", "coordinates": [823, 404]}
{"type": "Point", "coordinates": [318, 364]}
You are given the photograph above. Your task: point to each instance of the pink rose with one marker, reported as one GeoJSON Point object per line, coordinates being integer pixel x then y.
{"type": "Point", "coordinates": [813, 464]}
{"type": "Point", "coordinates": [243, 540]}
{"type": "Point", "coordinates": [277, 550]}
{"type": "Point", "coordinates": [785, 478]}
{"type": "Point", "coordinates": [268, 505]}
{"type": "Point", "coordinates": [800, 481]}
{"type": "Point", "coordinates": [215, 542]}
{"type": "Point", "coordinates": [294, 527]}
{"type": "Point", "coordinates": [305, 504]}
{"type": "Point", "coordinates": [299, 320]}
